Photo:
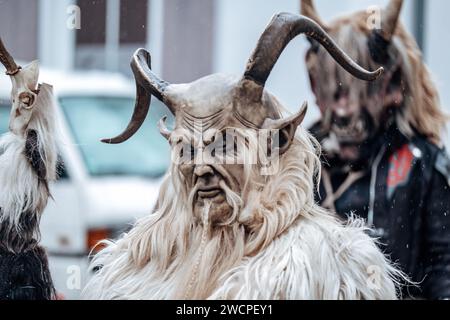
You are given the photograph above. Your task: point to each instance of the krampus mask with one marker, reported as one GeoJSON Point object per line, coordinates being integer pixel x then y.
{"type": "Point", "coordinates": [354, 113]}
{"type": "Point", "coordinates": [228, 223]}
{"type": "Point", "coordinates": [206, 108]}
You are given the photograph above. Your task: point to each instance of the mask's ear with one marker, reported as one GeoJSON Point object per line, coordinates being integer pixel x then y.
{"type": "Point", "coordinates": [31, 75]}
{"type": "Point", "coordinates": [286, 128]}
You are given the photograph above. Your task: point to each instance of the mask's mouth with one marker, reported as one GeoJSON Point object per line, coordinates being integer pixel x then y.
{"type": "Point", "coordinates": [352, 131]}
{"type": "Point", "coordinates": [209, 192]}
{"type": "Point", "coordinates": [213, 187]}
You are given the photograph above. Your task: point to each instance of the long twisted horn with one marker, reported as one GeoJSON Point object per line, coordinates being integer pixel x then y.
{"type": "Point", "coordinates": [390, 19]}
{"type": "Point", "coordinates": [380, 40]}
{"type": "Point", "coordinates": [5, 58]}
{"type": "Point", "coordinates": [147, 84]}
{"type": "Point", "coordinates": [282, 29]}
{"type": "Point", "coordinates": [308, 9]}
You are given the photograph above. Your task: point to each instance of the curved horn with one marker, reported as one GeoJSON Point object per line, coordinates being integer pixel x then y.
{"type": "Point", "coordinates": [163, 128]}
{"type": "Point", "coordinates": [390, 19]}
{"type": "Point", "coordinates": [147, 84]}
{"type": "Point", "coordinates": [308, 9]}
{"type": "Point", "coordinates": [282, 29]}
{"type": "Point", "coordinates": [380, 40]}
{"type": "Point", "coordinates": [5, 58]}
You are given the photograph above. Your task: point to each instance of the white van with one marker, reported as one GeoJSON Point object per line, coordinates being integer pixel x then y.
{"type": "Point", "coordinates": [102, 188]}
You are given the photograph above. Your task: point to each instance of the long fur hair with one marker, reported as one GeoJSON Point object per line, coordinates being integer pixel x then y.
{"type": "Point", "coordinates": [278, 244]}
{"type": "Point", "coordinates": [27, 165]}
{"type": "Point", "coordinates": [422, 111]}
{"type": "Point", "coordinates": [25, 275]}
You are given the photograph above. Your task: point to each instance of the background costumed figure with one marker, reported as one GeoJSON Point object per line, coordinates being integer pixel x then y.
{"type": "Point", "coordinates": [382, 143]}
{"type": "Point", "coordinates": [28, 158]}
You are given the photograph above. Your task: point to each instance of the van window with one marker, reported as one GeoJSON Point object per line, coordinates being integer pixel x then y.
{"type": "Point", "coordinates": [92, 118]}
{"type": "Point", "coordinates": [5, 108]}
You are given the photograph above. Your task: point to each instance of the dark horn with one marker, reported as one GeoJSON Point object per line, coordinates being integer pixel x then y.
{"type": "Point", "coordinates": [380, 39]}
{"type": "Point", "coordinates": [5, 58]}
{"type": "Point", "coordinates": [390, 18]}
{"type": "Point", "coordinates": [308, 9]}
{"type": "Point", "coordinates": [282, 29]}
{"type": "Point", "coordinates": [147, 84]}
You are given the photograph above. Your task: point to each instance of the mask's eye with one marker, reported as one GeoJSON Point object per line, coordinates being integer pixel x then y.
{"type": "Point", "coordinates": [192, 152]}
{"type": "Point", "coordinates": [341, 92]}
{"type": "Point", "coordinates": [224, 142]}
{"type": "Point", "coordinates": [187, 152]}
{"type": "Point", "coordinates": [229, 143]}
{"type": "Point", "coordinates": [214, 145]}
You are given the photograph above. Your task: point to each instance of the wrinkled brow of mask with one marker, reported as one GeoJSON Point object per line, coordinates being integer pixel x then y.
{"type": "Point", "coordinates": [228, 146]}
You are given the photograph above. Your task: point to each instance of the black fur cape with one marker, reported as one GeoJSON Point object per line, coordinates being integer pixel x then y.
{"type": "Point", "coordinates": [24, 271]}
{"type": "Point", "coordinates": [25, 275]}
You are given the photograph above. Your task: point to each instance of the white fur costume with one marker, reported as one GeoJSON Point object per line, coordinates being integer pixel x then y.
{"type": "Point", "coordinates": [300, 252]}
{"type": "Point", "coordinates": [223, 229]}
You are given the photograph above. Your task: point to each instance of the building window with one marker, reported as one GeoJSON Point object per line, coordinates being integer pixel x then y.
{"type": "Point", "coordinates": [133, 21]}
{"type": "Point", "coordinates": [93, 29]}
{"type": "Point", "coordinates": [19, 28]}
{"type": "Point", "coordinates": [107, 38]}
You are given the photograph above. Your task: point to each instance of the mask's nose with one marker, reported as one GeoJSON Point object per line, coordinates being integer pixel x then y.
{"type": "Point", "coordinates": [343, 107]}
{"type": "Point", "coordinates": [203, 171]}
{"type": "Point", "coordinates": [340, 105]}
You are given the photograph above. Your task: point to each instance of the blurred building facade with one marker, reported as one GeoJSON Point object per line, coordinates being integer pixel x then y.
{"type": "Point", "coordinates": [110, 31]}
{"type": "Point", "coordinates": [191, 38]}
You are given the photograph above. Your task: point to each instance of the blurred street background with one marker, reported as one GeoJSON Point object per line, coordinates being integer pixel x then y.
{"type": "Point", "coordinates": [192, 38]}
{"type": "Point", "coordinates": [84, 48]}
